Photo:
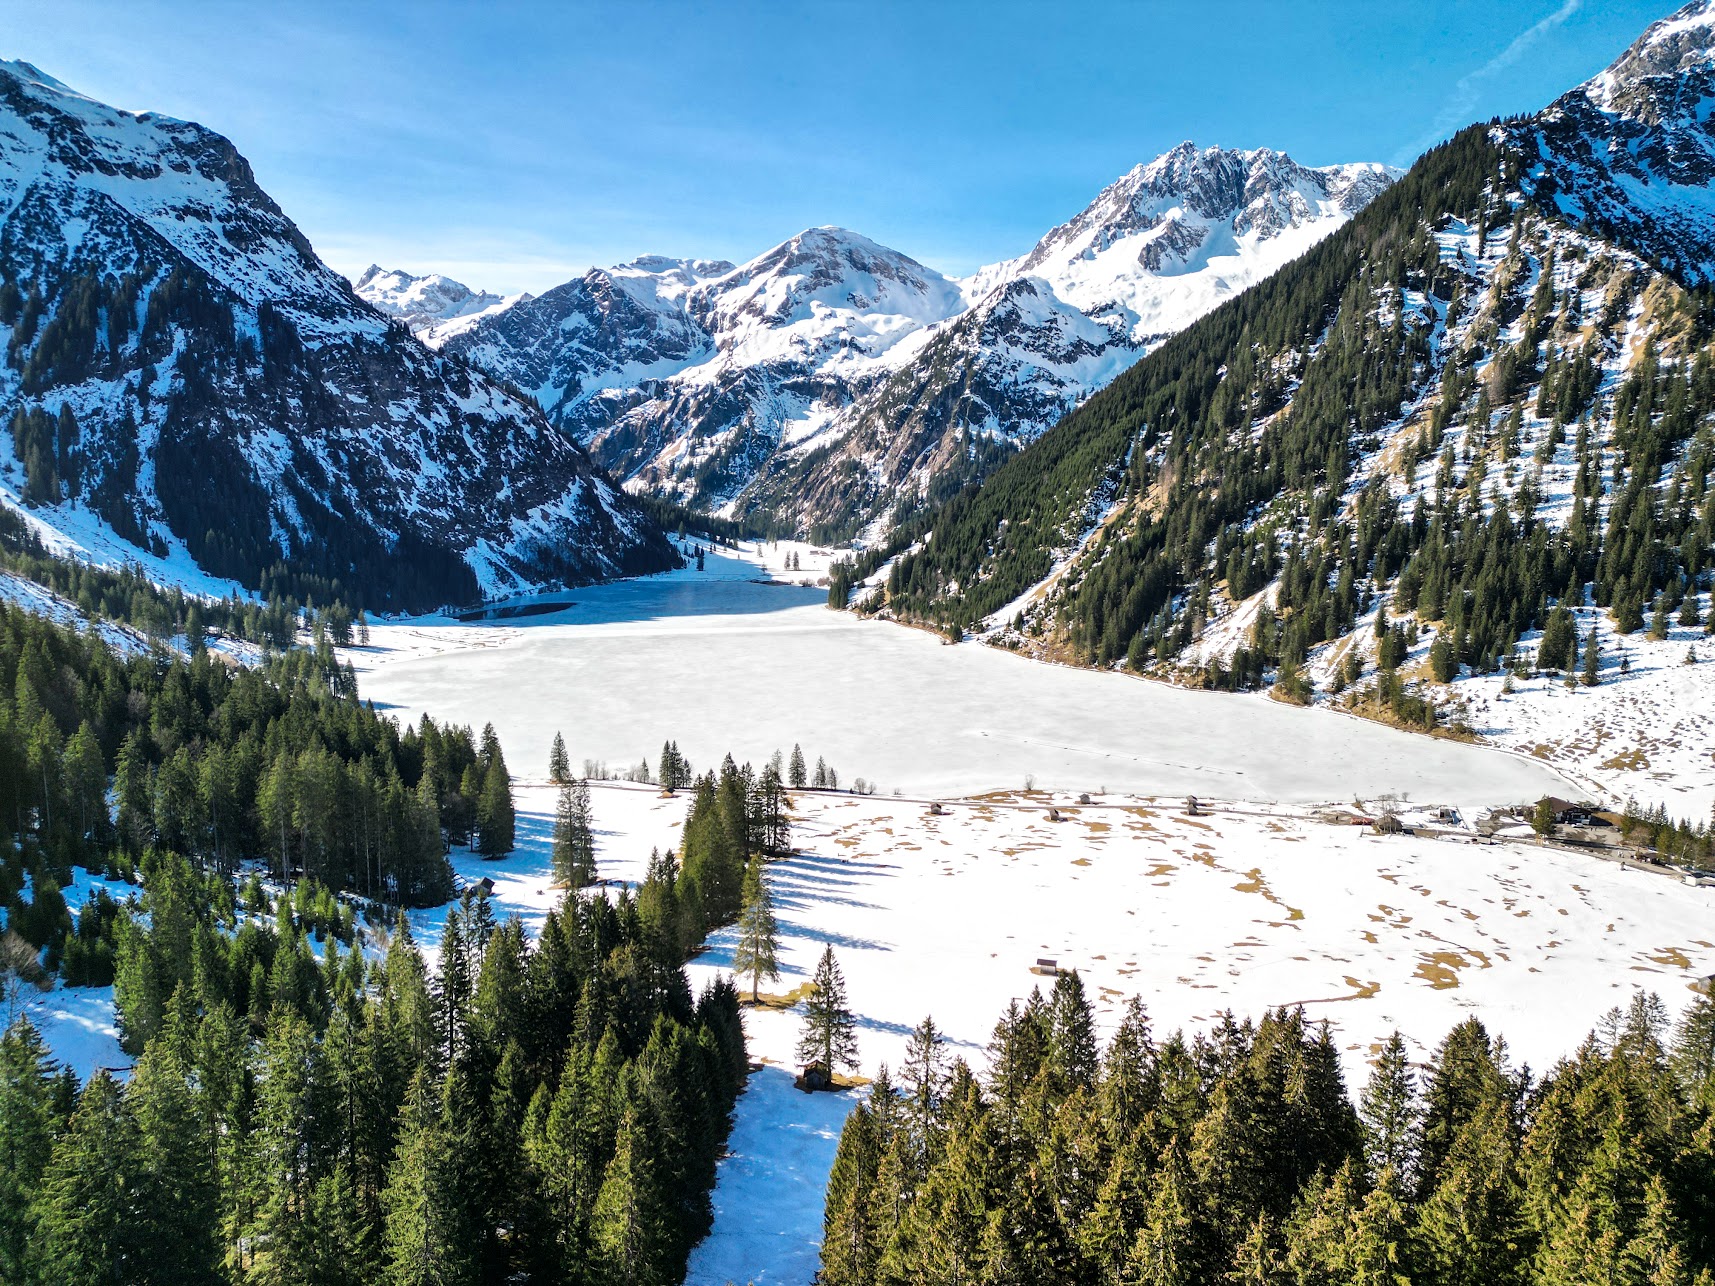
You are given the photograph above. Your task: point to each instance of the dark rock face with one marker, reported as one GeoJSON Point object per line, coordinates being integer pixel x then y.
{"type": "Point", "coordinates": [235, 401]}
{"type": "Point", "coordinates": [1630, 155]}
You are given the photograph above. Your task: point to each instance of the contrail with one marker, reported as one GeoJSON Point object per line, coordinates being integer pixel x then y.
{"type": "Point", "coordinates": [1461, 104]}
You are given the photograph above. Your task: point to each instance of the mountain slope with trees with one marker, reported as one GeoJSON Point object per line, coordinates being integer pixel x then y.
{"type": "Point", "coordinates": [1456, 421]}
{"type": "Point", "coordinates": [181, 367]}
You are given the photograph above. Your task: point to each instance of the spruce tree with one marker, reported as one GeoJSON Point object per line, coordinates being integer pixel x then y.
{"type": "Point", "coordinates": [559, 767]}
{"type": "Point", "coordinates": [495, 819]}
{"type": "Point", "coordinates": [27, 1127]}
{"type": "Point", "coordinates": [1388, 1111]}
{"type": "Point", "coordinates": [795, 767]}
{"type": "Point", "coordinates": [574, 837]}
{"type": "Point", "coordinates": [1072, 1033]}
{"type": "Point", "coordinates": [753, 954]}
{"type": "Point", "coordinates": [87, 1218]}
{"type": "Point", "coordinates": [422, 1247]}
{"type": "Point", "coordinates": [630, 1225]}
{"type": "Point", "coordinates": [829, 1037]}
{"type": "Point", "coordinates": [178, 1191]}
{"type": "Point", "coordinates": [849, 1249]}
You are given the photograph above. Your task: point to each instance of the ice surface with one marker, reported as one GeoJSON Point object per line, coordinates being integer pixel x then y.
{"type": "Point", "coordinates": [720, 663]}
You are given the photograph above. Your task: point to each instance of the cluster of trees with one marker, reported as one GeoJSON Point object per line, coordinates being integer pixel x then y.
{"type": "Point", "coordinates": [544, 1112]}
{"type": "Point", "coordinates": [106, 760]}
{"type": "Point", "coordinates": [1228, 454]}
{"type": "Point", "coordinates": [736, 816]}
{"type": "Point", "coordinates": [1238, 1156]}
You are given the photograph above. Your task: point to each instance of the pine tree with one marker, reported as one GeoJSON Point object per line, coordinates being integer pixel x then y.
{"type": "Point", "coordinates": [559, 767]}
{"type": "Point", "coordinates": [1592, 660]}
{"type": "Point", "coordinates": [753, 954]}
{"type": "Point", "coordinates": [829, 1037]}
{"type": "Point", "coordinates": [795, 770]}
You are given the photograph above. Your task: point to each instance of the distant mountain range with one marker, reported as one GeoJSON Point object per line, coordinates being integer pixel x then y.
{"type": "Point", "coordinates": [183, 372]}
{"type": "Point", "coordinates": [832, 382]}
{"type": "Point", "coordinates": [1219, 353]}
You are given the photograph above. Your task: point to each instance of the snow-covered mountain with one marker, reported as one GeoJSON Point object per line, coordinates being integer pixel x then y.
{"type": "Point", "coordinates": [184, 373]}
{"type": "Point", "coordinates": [1631, 152]}
{"type": "Point", "coordinates": [1452, 467]}
{"type": "Point", "coordinates": [830, 377]}
{"type": "Point", "coordinates": [427, 304]}
{"type": "Point", "coordinates": [1156, 250]}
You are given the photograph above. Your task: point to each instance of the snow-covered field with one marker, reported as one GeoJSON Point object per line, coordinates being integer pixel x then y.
{"type": "Point", "coordinates": [1247, 907]}
{"type": "Point", "coordinates": [719, 662]}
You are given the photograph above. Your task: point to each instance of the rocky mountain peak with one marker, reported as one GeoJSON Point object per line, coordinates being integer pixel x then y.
{"type": "Point", "coordinates": [422, 302]}
{"type": "Point", "coordinates": [1630, 154]}
{"type": "Point", "coordinates": [1683, 42]}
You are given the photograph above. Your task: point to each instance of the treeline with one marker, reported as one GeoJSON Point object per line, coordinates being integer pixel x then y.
{"type": "Point", "coordinates": [1237, 1156]}
{"type": "Point", "coordinates": [547, 1112]}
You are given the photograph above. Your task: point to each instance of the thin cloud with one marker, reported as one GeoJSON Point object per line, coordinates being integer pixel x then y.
{"type": "Point", "coordinates": [1461, 104]}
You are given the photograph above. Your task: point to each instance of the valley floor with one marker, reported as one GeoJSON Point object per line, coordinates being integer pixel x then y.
{"type": "Point", "coordinates": [1251, 905]}
{"type": "Point", "coordinates": [1246, 907]}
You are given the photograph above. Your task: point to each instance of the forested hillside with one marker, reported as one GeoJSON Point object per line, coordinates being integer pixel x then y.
{"type": "Point", "coordinates": [1465, 408]}
{"type": "Point", "coordinates": [183, 375]}
{"type": "Point", "coordinates": [310, 1102]}
{"type": "Point", "coordinates": [1238, 1156]}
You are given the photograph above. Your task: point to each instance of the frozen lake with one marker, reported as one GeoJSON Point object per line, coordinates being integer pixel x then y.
{"type": "Point", "coordinates": [719, 662]}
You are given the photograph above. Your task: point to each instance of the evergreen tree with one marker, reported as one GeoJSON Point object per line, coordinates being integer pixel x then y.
{"type": "Point", "coordinates": [574, 837]}
{"type": "Point", "coordinates": [630, 1225]}
{"type": "Point", "coordinates": [27, 1128]}
{"type": "Point", "coordinates": [753, 954]}
{"type": "Point", "coordinates": [178, 1192]}
{"type": "Point", "coordinates": [88, 1221]}
{"type": "Point", "coordinates": [559, 767]}
{"type": "Point", "coordinates": [795, 772]}
{"type": "Point", "coordinates": [829, 1037]}
{"type": "Point", "coordinates": [849, 1242]}
{"type": "Point", "coordinates": [423, 1248]}
{"type": "Point", "coordinates": [495, 819]}
{"type": "Point", "coordinates": [1389, 1113]}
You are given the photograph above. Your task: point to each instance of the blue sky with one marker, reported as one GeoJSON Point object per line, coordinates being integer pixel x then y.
{"type": "Point", "coordinates": [512, 145]}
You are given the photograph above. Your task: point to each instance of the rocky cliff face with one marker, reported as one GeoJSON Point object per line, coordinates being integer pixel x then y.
{"type": "Point", "coordinates": [183, 371]}
{"type": "Point", "coordinates": [1630, 154]}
